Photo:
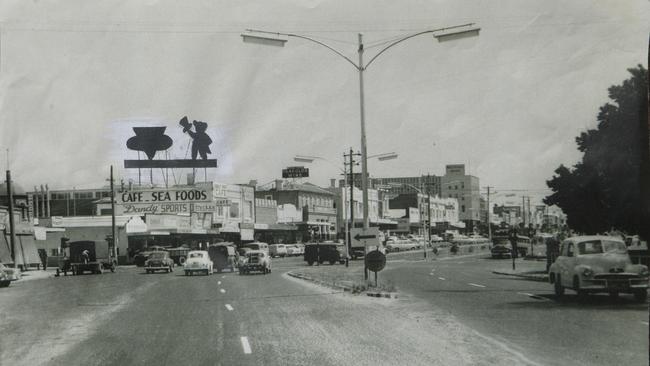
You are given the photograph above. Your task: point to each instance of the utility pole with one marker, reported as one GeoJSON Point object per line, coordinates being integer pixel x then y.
{"type": "Point", "coordinates": [523, 209]}
{"type": "Point", "coordinates": [428, 237]}
{"type": "Point", "coordinates": [489, 223]}
{"type": "Point", "coordinates": [113, 217]}
{"type": "Point", "coordinates": [345, 216]}
{"type": "Point", "coordinates": [12, 237]}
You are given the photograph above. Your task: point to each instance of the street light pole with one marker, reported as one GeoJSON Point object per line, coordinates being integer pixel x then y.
{"type": "Point", "coordinates": [448, 33]}
{"type": "Point", "coordinates": [364, 155]}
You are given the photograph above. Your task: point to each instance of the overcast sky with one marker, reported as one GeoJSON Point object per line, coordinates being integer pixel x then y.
{"type": "Point", "coordinates": [76, 76]}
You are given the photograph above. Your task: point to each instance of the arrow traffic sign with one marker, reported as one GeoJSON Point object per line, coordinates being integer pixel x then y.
{"type": "Point", "coordinates": [359, 237]}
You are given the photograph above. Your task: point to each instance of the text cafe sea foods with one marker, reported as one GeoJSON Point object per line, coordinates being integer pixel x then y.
{"type": "Point", "coordinates": [163, 201]}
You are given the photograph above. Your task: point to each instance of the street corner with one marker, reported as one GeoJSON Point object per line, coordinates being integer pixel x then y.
{"type": "Point", "coordinates": [540, 276]}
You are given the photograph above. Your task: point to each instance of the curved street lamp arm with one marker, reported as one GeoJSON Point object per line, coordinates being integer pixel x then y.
{"type": "Point", "coordinates": [411, 36]}
{"type": "Point", "coordinates": [312, 40]}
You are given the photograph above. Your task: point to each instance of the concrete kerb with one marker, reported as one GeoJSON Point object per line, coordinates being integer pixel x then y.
{"type": "Point", "coordinates": [532, 276]}
{"type": "Point", "coordinates": [343, 287]}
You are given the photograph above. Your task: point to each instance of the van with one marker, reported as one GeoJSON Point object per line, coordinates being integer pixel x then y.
{"type": "Point", "coordinates": [258, 246]}
{"type": "Point", "coordinates": [319, 253]}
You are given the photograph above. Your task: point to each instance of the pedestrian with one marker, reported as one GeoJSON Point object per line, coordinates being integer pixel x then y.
{"type": "Point", "coordinates": [85, 256]}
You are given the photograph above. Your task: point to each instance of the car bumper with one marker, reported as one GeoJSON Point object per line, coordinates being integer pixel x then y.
{"type": "Point", "coordinates": [156, 268]}
{"type": "Point", "coordinates": [620, 285]}
{"type": "Point", "coordinates": [253, 267]}
{"type": "Point", "coordinates": [194, 269]}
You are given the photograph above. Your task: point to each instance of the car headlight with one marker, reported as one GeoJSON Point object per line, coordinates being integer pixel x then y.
{"type": "Point", "coordinates": [587, 272]}
{"type": "Point", "coordinates": [644, 272]}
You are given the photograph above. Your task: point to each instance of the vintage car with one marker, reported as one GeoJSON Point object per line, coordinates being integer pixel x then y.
{"type": "Point", "coordinates": [256, 260]}
{"type": "Point", "coordinates": [224, 255]}
{"type": "Point", "coordinates": [589, 264]}
{"type": "Point", "coordinates": [13, 274]}
{"type": "Point", "coordinates": [319, 253]}
{"type": "Point", "coordinates": [159, 261]}
{"type": "Point", "coordinates": [4, 280]}
{"type": "Point", "coordinates": [198, 261]}
{"type": "Point", "coordinates": [278, 250]}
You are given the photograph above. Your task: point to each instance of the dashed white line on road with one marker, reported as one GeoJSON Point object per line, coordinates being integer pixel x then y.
{"type": "Point", "coordinates": [441, 278]}
{"type": "Point", "coordinates": [218, 282]}
{"type": "Point", "coordinates": [246, 345]}
{"type": "Point", "coordinates": [229, 307]}
{"type": "Point", "coordinates": [644, 323]}
{"type": "Point", "coordinates": [475, 285]}
{"type": "Point", "coordinates": [222, 291]}
{"type": "Point", "coordinates": [223, 276]}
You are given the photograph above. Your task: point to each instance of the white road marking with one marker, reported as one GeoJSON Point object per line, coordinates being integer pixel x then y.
{"type": "Point", "coordinates": [223, 276]}
{"type": "Point", "coordinates": [525, 294]}
{"type": "Point", "coordinates": [475, 285]}
{"type": "Point", "coordinates": [222, 291]}
{"type": "Point", "coordinates": [218, 282]}
{"type": "Point", "coordinates": [644, 323]}
{"type": "Point", "coordinates": [229, 307]}
{"type": "Point", "coordinates": [432, 274]}
{"type": "Point", "coordinates": [246, 345]}
{"type": "Point", "coordinates": [441, 278]}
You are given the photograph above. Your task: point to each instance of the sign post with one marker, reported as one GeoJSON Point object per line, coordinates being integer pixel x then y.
{"type": "Point", "coordinates": [368, 239]}
{"type": "Point", "coordinates": [375, 261]}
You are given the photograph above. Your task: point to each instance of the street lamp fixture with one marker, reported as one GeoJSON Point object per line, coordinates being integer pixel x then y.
{"type": "Point", "coordinates": [452, 36]}
{"type": "Point", "coordinates": [442, 34]}
{"type": "Point", "coordinates": [268, 41]}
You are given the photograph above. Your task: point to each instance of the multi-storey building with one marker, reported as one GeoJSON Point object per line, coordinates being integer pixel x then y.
{"type": "Point", "coordinates": [465, 188]}
{"type": "Point", "coordinates": [317, 205]}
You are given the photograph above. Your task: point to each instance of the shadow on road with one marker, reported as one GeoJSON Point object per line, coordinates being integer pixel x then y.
{"type": "Point", "coordinates": [595, 301]}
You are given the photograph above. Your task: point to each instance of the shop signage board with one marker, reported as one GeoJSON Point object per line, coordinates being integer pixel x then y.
{"type": "Point", "coordinates": [295, 172]}
{"type": "Point", "coordinates": [166, 201]}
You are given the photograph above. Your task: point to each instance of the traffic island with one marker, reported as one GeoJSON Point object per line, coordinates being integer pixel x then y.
{"type": "Point", "coordinates": [344, 279]}
{"type": "Point", "coordinates": [541, 276]}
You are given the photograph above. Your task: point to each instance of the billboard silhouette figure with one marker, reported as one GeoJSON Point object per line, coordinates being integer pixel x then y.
{"type": "Point", "coordinates": [200, 140]}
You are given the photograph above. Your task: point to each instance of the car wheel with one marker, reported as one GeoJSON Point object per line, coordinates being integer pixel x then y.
{"type": "Point", "coordinates": [641, 295]}
{"type": "Point", "coordinates": [557, 286]}
{"type": "Point", "coordinates": [576, 286]}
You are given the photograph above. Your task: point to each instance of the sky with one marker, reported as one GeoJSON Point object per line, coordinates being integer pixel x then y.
{"type": "Point", "coordinates": [77, 76]}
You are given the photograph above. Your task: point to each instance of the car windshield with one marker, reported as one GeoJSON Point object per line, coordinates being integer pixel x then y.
{"type": "Point", "coordinates": [196, 255]}
{"type": "Point", "coordinates": [157, 255]}
{"type": "Point", "coordinates": [601, 246]}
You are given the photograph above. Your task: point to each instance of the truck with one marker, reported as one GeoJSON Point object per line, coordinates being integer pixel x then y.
{"type": "Point", "coordinates": [89, 256]}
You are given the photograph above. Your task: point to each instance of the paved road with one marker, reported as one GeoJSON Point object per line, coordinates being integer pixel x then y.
{"type": "Point", "coordinates": [129, 318]}
{"type": "Point", "coordinates": [526, 316]}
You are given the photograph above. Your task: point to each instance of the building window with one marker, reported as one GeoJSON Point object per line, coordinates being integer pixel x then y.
{"type": "Point", "coordinates": [463, 208]}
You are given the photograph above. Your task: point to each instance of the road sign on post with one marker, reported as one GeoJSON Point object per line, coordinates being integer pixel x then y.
{"type": "Point", "coordinates": [368, 238]}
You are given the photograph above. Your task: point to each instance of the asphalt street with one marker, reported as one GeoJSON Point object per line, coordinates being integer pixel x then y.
{"type": "Point", "coordinates": [525, 316]}
{"type": "Point", "coordinates": [449, 312]}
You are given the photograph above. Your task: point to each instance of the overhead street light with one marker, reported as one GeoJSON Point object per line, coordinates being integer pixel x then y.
{"type": "Point", "coordinates": [247, 38]}
{"type": "Point", "coordinates": [442, 34]}
{"type": "Point", "coordinates": [452, 36]}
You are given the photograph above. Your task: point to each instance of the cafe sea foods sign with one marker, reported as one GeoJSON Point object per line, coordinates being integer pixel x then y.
{"type": "Point", "coordinates": [168, 201]}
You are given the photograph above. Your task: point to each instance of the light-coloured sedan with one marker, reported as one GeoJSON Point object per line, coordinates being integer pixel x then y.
{"type": "Point", "coordinates": [198, 261]}
{"type": "Point", "coordinates": [598, 264]}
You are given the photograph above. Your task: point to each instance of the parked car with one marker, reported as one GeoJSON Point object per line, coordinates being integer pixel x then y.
{"type": "Point", "coordinates": [277, 250]}
{"type": "Point", "coordinates": [501, 248]}
{"type": "Point", "coordinates": [590, 264]}
{"type": "Point", "coordinates": [292, 251]}
{"type": "Point", "coordinates": [159, 261]}
{"type": "Point", "coordinates": [256, 260]}
{"type": "Point", "coordinates": [198, 261]}
{"type": "Point", "coordinates": [4, 280]}
{"type": "Point", "coordinates": [13, 274]}
{"type": "Point", "coordinates": [319, 253]}
{"type": "Point", "coordinates": [300, 249]}
{"type": "Point", "coordinates": [257, 245]}
{"type": "Point", "coordinates": [224, 255]}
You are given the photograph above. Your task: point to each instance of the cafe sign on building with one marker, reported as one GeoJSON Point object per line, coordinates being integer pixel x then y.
{"type": "Point", "coordinates": [165, 200]}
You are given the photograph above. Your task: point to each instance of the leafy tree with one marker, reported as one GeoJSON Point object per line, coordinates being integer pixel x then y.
{"type": "Point", "coordinates": [603, 191]}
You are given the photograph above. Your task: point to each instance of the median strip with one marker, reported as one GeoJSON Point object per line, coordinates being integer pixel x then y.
{"type": "Point", "coordinates": [475, 285]}
{"type": "Point", "coordinates": [245, 345]}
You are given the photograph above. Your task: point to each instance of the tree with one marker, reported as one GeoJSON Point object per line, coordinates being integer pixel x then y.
{"type": "Point", "coordinates": [603, 191]}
